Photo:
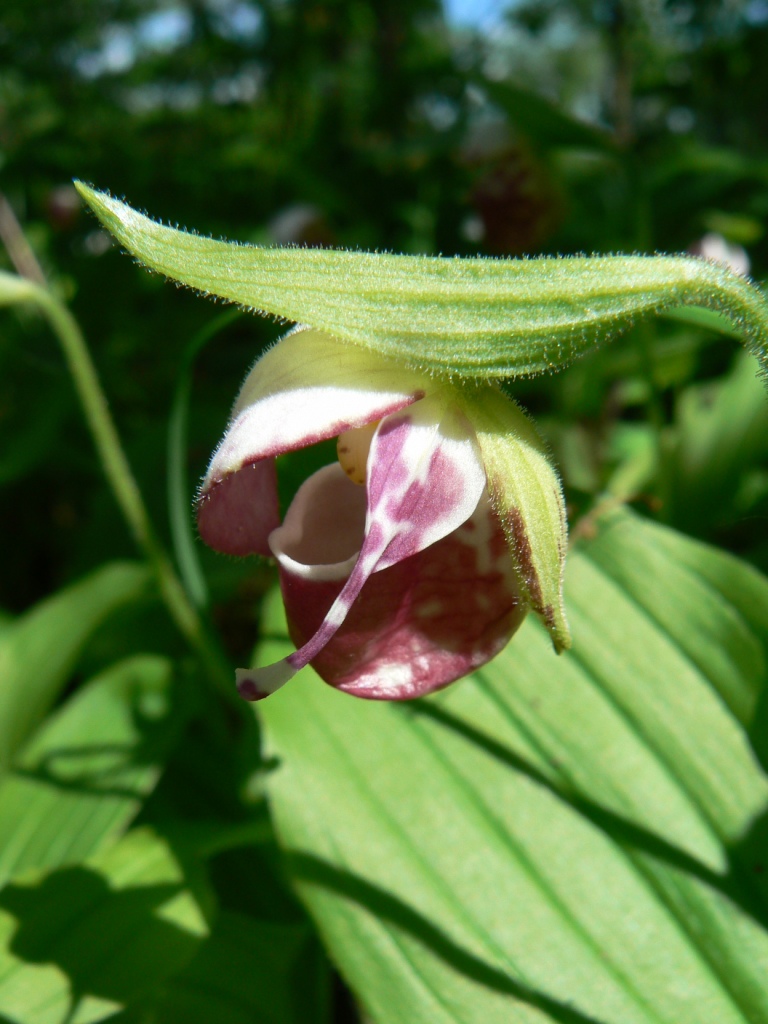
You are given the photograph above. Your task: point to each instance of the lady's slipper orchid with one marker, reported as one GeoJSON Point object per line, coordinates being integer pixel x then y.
{"type": "Point", "coordinates": [412, 560]}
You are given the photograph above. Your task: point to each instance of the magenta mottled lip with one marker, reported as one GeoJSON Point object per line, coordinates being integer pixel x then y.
{"type": "Point", "coordinates": [417, 625]}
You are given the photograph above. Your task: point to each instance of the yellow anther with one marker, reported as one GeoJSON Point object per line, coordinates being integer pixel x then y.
{"type": "Point", "coordinates": [352, 448]}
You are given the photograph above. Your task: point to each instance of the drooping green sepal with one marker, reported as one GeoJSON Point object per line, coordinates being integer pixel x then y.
{"type": "Point", "coordinates": [472, 318]}
{"type": "Point", "coordinates": [526, 494]}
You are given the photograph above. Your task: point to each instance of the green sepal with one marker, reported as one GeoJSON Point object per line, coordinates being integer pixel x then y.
{"type": "Point", "coordinates": [526, 494]}
{"type": "Point", "coordinates": [473, 318]}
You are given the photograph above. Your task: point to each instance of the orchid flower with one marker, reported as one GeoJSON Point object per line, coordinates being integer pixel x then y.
{"type": "Point", "coordinates": [412, 560]}
{"type": "Point", "coordinates": [415, 559]}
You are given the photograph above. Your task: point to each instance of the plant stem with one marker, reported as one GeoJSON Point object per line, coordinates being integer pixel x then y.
{"type": "Point", "coordinates": [126, 490]}
{"type": "Point", "coordinates": [182, 535]}
{"type": "Point", "coordinates": [21, 253]}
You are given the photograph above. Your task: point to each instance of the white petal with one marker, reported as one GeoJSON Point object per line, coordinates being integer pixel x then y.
{"type": "Point", "coordinates": [307, 388]}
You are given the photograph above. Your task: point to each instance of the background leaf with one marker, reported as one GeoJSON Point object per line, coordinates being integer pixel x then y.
{"type": "Point", "coordinates": [566, 839]}
{"type": "Point", "coordinates": [722, 434]}
{"type": "Point", "coordinates": [87, 770]}
{"type": "Point", "coordinates": [39, 649]}
{"type": "Point", "coordinates": [541, 121]}
{"type": "Point", "coordinates": [183, 535]}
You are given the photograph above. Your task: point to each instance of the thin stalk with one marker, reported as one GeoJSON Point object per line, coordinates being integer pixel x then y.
{"type": "Point", "coordinates": [182, 535]}
{"type": "Point", "coordinates": [126, 490]}
{"type": "Point", "coordinates": [19, 250]}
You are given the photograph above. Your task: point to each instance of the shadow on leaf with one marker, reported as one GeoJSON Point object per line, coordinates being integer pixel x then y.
{"type": "Point", "coordinates": [103, 768]}
{"type": "Point", "coordinates": [746, 881]}
{"type": "Point", "coordinates": [306, 868]}
{"type": "Point", "coordinates": [112, 944]}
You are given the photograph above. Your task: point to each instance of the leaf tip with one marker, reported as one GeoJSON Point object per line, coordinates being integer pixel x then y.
{"type": "Point", "coordinates": [118, 218]}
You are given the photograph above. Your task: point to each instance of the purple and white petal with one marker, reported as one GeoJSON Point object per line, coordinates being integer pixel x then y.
{"type": "Point", "coordinates": [305, 389]}
{"type": "Point", "coordinates": [237, 516]}
{"type": "Point", "coordinates": [425, 479]}
{"type": "Point", "coordinates": [308, 388]}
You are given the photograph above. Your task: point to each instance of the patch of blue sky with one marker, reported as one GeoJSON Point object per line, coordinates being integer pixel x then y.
{"type": "Point", "coordinates": [170, 28]}
{"type": "Point", "coordinates": [478, 14]}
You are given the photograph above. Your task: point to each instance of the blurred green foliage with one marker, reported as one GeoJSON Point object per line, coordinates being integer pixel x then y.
{"type": "Point", "coordinates": [557, 127]}
{"type": "Point", "coordinates": [571, 127]}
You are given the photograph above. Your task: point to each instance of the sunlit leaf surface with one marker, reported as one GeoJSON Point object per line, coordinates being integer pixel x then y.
{"type": "Point", "coordinates": [85, 940]}
{"type": "Point", "coordinates": [563, 839]}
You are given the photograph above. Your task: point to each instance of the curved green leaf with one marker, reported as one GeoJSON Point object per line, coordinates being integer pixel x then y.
{"type": "Point", "coordinates": [179, 493]}
{"type": "Point", "coordinates": [466, 317]}
{"type": "Point", "coordinates": [544, 123]}
{"type": "Point", "coordinates": [40, 648]}
{"type": "Point", "coordinates": [568, 840]}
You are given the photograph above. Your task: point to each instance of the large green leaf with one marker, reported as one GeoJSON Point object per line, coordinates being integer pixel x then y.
{"type": "Point", "coordinates": [86, 940]}
{"type": "Point", "coordinates": [85, 773]}
{"type": "Point", "coordinates": [563, 839]}
{"type": "Point", "coordinates": [464, 317]}
{"type": "Point", "coordinates": [39, 649]}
